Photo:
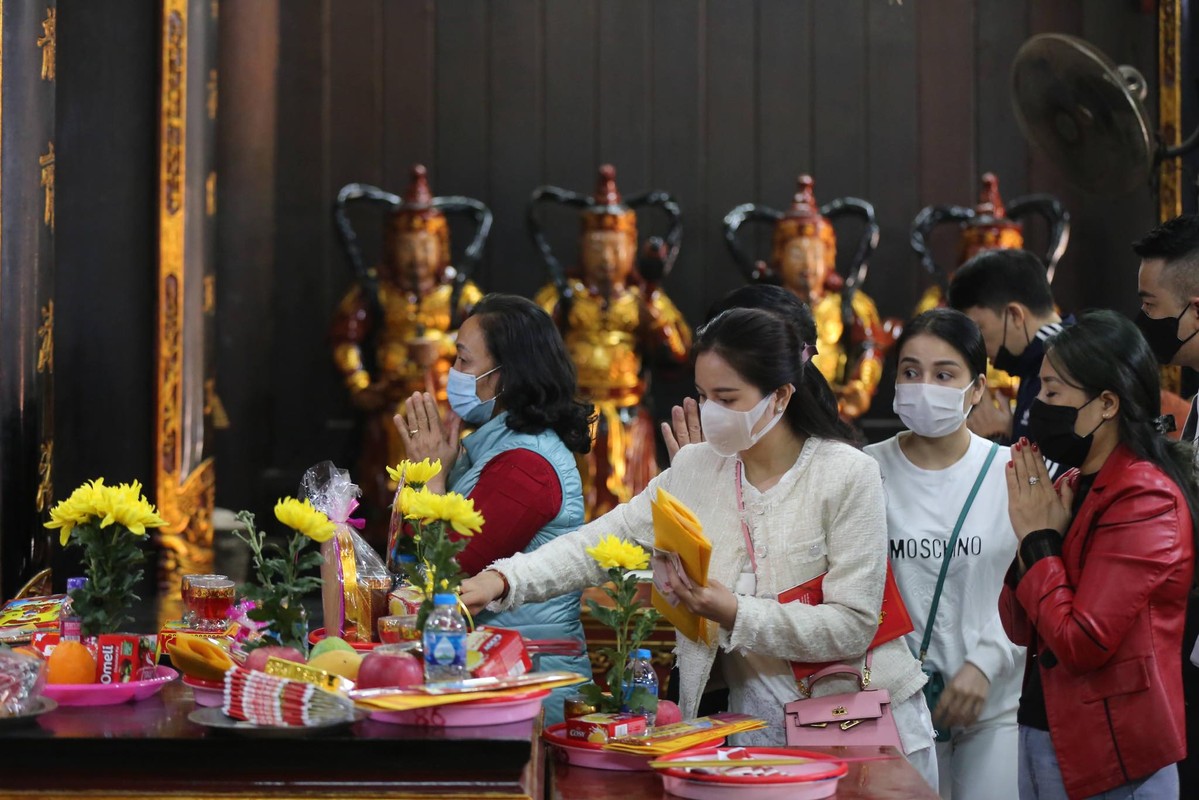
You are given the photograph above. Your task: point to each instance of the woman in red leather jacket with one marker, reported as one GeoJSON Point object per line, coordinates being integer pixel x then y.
{"type": "Point", "coordinates": [1099, 588]}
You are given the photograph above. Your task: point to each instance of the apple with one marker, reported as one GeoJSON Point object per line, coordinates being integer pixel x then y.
{"type": "Point", "coordinates": [257, 658]}
{"type": "Point", "coordinates": [390, 669]}
{"type": "Point", "coordinates": [668, 713]}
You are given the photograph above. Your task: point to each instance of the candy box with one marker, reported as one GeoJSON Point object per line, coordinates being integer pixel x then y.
{"type": "Point", "coordinates": [117, 657]}
{"type": "Point", "coordinates": [127, 653]}
{"type": "Point", "coordinates": [501, 652]}
{"type": "Point", "coordinates": [21, 619]}
{"type": "Point", "coordinates": [600, 728]}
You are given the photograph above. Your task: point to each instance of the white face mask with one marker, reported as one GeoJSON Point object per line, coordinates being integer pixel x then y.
{"type": "Point", "coordinates": [728, 431]}
{"type": "Point", "coordinates": [930, 410]}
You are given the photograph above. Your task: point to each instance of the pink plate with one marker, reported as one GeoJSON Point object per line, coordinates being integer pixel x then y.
{"type": "Point", "coordinates": [109, 694]}
{"type": "Point", "coordinates": [207, 693]}
{"type": "Point", "coordinates": [590, 754]}
{"type": "Point", "coordinates": [488, 711]}
{"type": "Point", "coordinates": [816, 779]}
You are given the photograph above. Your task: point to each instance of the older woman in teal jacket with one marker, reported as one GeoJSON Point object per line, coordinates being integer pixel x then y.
{"type": "Point", "coordinates": [513, 381]}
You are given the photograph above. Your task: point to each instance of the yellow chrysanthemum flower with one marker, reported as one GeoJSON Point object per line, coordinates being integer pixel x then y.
{"type": "Point", "coordinates": [122, 505]}
{"type": "Point", "coordinates": [125, 505]}
{"type": "Point", "coordinates": [420, 504]}
{"type": "Point", "coordinates": [302, 517]}
{"type": "Point", "coordinates": [80, 508]}
{"type": "Point", "coordinates": [460, 513]}
{"type": "Point", "coordinates": [452, 508]}
{"type": "Point", "coordinates": [612, 551]}
{"type": "Point", "coordinates": [415, 473]}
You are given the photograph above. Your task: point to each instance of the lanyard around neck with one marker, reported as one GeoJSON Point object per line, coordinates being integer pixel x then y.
{"type": "Point", "coordinates": [749, 544]}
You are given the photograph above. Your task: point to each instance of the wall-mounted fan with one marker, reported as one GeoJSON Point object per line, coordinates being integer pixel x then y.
{"type": "Point", "coordinates": [1087, 114]}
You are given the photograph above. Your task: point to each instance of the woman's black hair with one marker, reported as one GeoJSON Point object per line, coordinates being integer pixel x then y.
{"type": "Point", "coordinates": [769, 298]}
{"type": "Point", "coordinates": [956, 330]}
{"type": "Point", "coordinates": [767, 350]}
{"type": "Point", "coordinates": [780, 301]}
{"type": "Point", "coordinates": [1102, 351]}
{"type": "Point", "coordinates": [537, 378]}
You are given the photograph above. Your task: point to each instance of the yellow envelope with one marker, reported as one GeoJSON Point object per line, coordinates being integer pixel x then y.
{"type": "Point", "coordinates": [676, 529]}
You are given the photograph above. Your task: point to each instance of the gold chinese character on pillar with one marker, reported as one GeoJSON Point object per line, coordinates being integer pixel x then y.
{"type": "Point", "coordinates": [45, 484]}
{"type": "Point", "coordinates": [46, 162]}
{"type": "Point", "coordinates": [212, 93]}
{"type": "Point", "coordinates": [45, 335]}
{"type": "Point", "coordinates": [48, 42]}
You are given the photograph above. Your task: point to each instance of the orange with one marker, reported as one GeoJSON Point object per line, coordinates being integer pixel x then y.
{"type": "Point", "coordinates": [71, 662]}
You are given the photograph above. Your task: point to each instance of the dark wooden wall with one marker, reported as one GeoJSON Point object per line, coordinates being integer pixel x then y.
{"type": "Point", "coordinates": [718, 102]}
{"type": "Point", "coordinates": [105, 287]}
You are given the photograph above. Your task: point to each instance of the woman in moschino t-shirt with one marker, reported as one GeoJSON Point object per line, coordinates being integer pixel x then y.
{"type": "Point", "coordinates": [928, 474]}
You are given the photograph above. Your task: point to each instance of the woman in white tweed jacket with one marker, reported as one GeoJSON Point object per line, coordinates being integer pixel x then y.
{"type": "Point", "coordinates": [813, 504]}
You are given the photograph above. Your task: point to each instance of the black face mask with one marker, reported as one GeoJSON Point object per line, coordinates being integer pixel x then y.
{"type": "Point", "coordinates": [1005, 359]}
{"type": "Point", "coordinates": [1052, 428]}
{"type": "Point", "coordinates": [1162, 335]}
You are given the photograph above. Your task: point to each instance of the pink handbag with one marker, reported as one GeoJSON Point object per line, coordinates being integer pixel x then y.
{"type": "Point", "coordinates": [852, 718]}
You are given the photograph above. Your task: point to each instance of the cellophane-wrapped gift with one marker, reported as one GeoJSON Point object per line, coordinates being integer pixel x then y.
{"type": "Point", "coordinates": [22, 677]}
{"type": "Point", "coordinates": [355, 581]}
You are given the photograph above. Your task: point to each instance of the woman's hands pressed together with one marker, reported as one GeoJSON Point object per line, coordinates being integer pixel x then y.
{"type": "Point", "coordinates": [425, 435]}
{"type": "Point", "coordinates": [1034, 504]}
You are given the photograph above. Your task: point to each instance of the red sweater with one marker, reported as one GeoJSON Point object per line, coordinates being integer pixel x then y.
{"type": "Point", "coordinates": [518, 493]}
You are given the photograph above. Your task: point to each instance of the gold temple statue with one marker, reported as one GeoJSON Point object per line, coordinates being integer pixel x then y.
{"type": "Point", "coordinates": [851, 337]}
{"type": "Point", "coordinates": [393, 333]}
{"type": "Point", "coordinates": [616, 321]}
{"type": "Point", "coordinates": [988, 226]}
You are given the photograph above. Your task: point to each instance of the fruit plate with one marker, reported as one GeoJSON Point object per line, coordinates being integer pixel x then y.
{"type": "Point", "coordinates": [318, 634]}
{"type": "Point", "coordinates": [206, 693]}
{"type": "Point", "coordinates": [215, 719]}
{"type": "Point", "coordinates": [579, 753]}
{"type": "Point", "coordinates": [110, 694]}
{"type": "Point", "coordinates": [741, 779]}
{"type": "Point", "coordinates": [472, 713]}
{"type": "Point", "coordinates": [43, 705]}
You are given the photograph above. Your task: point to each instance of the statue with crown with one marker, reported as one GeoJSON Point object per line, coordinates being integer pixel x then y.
{"type": "Point", "coordinates": [618, 325]}
{"type": "Point", "coordinates": [393, 332]}
{"type": "Point", "coordinates": [989, 225]}
{"type": "Point", "coordinates": [851, 337]}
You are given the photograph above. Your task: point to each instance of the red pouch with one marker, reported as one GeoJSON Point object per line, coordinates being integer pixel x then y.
{"type": "Point", "coordinates": [893, 618]}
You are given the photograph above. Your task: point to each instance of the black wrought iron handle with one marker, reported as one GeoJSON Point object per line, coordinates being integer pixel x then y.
{"type": "Point", "coordinates": [922, 226]}
{"type": "Point", "coordinates": [1058, 218]}
{"type": "Point", "coordinates": [352, 193]}
{"type": "Point", "coordinates": [674, 234]}
{"type": "Point", "coordinates": [746, 212]}
{"type": "Point", "coordinates": [553, 194]}
{"type": "Point", "coordinates": [474, 251]}
{"type": "Point", "coordinates": [854, 206]}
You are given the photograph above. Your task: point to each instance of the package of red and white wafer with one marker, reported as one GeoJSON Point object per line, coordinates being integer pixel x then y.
{"type": "Point", "coordinates": [264, 699]}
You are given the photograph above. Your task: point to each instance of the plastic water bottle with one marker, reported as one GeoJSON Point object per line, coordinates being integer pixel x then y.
{"type": "Point", "coordinates": [70, 624]}
{"type": "Point", "coordinates": [445, 641]}
{"type": "Point", "coordinates": [645, 679]}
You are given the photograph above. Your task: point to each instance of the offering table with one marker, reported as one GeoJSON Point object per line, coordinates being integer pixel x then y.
{"type": "Point", "coordinates": [889, 779]}
{"type": "Point", "coordinates": [151, 749]}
